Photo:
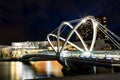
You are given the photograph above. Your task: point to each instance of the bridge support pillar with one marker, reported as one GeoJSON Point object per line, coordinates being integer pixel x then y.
{"type": "Point", "coordinates": [112, 70]}
{"type": "Point", "coordinates": [94, 69]}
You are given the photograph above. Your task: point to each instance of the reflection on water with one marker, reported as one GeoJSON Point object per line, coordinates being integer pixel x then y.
{"type": "Point", "coordinates": [47, 68]}
{"type": "Point", "coordinates": [20, 71]}
{"type": "Point", "coordinates": [39, 69]}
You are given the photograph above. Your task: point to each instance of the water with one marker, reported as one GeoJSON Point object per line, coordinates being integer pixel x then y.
{"type": "Point", "coordinates": [38, 69]}
{"type": "Point", "coordinates": [33, 70]}
{"type": "Point", "coordinates": [16, 70]}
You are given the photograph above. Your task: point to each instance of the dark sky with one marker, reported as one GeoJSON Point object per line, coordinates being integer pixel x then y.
{"type": "Point", "coordinates": [32, 20]}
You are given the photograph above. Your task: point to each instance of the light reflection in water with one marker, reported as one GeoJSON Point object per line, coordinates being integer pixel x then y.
{"type": "Point", "coordinates": [20, 71]}
{"type": "Point", "coordinates": [37, 69]}
{"type": "Point", "coordinates": [48, 68]}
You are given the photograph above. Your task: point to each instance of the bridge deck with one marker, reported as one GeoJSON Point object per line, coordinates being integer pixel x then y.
{"type": "Point", "coordinates": [107, 58]}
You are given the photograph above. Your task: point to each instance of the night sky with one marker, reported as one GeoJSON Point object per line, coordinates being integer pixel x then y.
{"type": "Point", "coordinates": [32, 20]}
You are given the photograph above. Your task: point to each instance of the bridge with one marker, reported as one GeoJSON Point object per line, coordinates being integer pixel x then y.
{"type": "Point", "coordinates": [83, 55]}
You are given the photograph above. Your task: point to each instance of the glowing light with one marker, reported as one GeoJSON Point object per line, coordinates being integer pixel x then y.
{"type": "Point", "coordinates": [86, 51]}
{"type": "Point", "coordinates": [48, 68]}
{"type": "Point", "coordinates": [64, 54]}
{"type": "Point", "coordinates": [84, 20]}
{"type": "Point", "coordinates": [86, 54]}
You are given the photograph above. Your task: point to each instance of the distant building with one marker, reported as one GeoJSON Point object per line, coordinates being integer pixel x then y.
{"type": "Point", "coordinates": [41, 45]}
{"type": "Point", "coordinates": [86, 29]}
{"type": "Point", "coordinates": [5, 51]}
{"type": "Point", "coordinates": [103, 20]}
{"type": "Point", "coordinates": [86, 32]}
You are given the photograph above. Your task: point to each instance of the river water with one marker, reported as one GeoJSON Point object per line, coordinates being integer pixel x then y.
{"type": "Point", "coordinates": [32, 70]}
{"type": "Point", "coordinates": [16, 70]}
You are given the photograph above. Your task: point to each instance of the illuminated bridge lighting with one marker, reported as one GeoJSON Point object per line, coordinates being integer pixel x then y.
{"type": "Point", "coordinates": [85, 52]}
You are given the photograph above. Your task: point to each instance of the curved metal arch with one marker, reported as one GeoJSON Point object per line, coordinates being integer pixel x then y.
{"type": "Point", "coordinates": [28, 44]}
{"type": "Point", "coordinates": [53, 35]}
{"type": "Point", "coordinates": [76, 27]}
{"type": "Point", "coordinates": [69, 25]}
{"type": "Point", "coordinates": [74, 30]}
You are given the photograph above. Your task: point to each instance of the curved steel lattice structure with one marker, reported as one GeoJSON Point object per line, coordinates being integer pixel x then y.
{"type": "Point", "coordinates": [85, 50]}
{"type": "Point", "coordinates": [29, 46]}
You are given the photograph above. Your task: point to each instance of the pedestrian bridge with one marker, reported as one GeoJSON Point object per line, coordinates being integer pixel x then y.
{"type": "Point", "coordinates": [84, 53]}
{"type": "Point", "coordinates": [98, 58]}
{"type": "Point", "coordinates": [107, 55]}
